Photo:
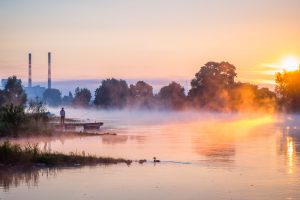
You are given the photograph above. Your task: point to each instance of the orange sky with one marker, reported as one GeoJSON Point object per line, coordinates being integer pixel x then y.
{"type": "Point", "coordinates": [146, 39]}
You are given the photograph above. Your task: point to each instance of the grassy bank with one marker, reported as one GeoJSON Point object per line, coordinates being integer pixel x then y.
{"type": "Point", "coordinates": [14, 121]}
{"type": "Point", "coordinates": [14, 154]}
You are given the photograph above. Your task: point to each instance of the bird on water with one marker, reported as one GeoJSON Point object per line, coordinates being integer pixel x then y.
{"type": "Point", "coordinates": [155, 160]}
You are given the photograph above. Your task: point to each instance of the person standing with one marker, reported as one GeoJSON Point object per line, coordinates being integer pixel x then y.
{"type": "Point", "coordinates": [62, 116]}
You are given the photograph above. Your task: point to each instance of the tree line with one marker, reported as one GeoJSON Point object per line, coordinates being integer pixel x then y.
{"type": "Point", "coordinates": [213, 88]}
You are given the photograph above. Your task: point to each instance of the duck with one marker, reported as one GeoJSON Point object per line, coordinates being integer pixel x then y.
{"type": "Point", "coordinates": [155, 160]}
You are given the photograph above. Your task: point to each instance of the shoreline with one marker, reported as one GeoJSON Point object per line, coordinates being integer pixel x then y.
{"type": "Point", "coordinates": [13, 155]}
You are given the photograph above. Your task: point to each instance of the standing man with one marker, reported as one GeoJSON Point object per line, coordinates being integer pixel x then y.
{"type": "Point", "coordinates": [62, 116]}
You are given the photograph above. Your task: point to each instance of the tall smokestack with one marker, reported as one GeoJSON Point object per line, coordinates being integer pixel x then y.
{"type": "Point", "coordinates": [49, 70]}
{"type": "Point", "coordinates": [29, 70]}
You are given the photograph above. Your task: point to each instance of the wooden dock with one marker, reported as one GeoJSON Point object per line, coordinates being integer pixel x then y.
{"type": "Point", "coordinates": [74, 125]}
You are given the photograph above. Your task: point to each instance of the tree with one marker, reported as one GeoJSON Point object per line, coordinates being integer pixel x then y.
{"type": "Point", "coordinates": [141, 94]}
{"type": "Point", "coordinates": [288, 90]}
{"type": "Point", "coordinates": [12, 119]}
{"type": "Point", "coordinates": [248, 97]}
{"type": "Point", "coordinates": [13, 92]}
{"type": "Point", "coordinates": [52, 97]}
{"type": "Point", "coordinates": [210, 86]}
{"type": "Point", "coordinates": [68, 100]}
{"type": "Point", "coordinates": [82, 97]}
{"type": "Point", "coordinates": [112, 93]}
{"type": "Point", "coordinates": [172, 96]}
{"type": "Point", "coordinates": [2, 98]}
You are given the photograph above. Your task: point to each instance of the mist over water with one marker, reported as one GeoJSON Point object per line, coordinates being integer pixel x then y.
{"type": "Point", "coordinates": [203, 154]}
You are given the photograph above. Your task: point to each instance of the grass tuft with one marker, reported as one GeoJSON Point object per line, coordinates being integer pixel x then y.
{"type": "Point", "coordinates": [14, 154]}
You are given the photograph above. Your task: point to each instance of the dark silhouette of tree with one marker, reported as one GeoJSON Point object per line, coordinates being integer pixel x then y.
{"type": "Point", "coordinates": [82, 97]}
{"type": "Point", "coordinates": [12, 119]}
{"type": "Point", "coordinates": [2, 98]}
{"type": "Point", "coordinates": [288, 90]}
{"type": "Point", "coordinates": [112, 93]}
{"type": "Point", "coordinates": [210, 85]}
{"type": "Point", "coordinates": [141, 89]}
{"type": "Point", "coordinates": [141, 95]}
{"type": "Point", "coordinates": [52, 97]}
{"type": "Point", "coordinates": [172, 96]}
{"type": "Point", "coordinates": [13, 92]}
{"type": "Point", "coordinates": [68, 99]}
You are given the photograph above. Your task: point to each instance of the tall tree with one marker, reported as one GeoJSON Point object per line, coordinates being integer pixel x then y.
{"type": "Point", "coordinates": [172, 96]}
{"type": "Point", "coordinates": [2, 98]}
{"type": "Point", "coordinates": [112, 93]}
{"type": "Point", "coordinates": [141, 95]}
{"type": "Point", "coordinates": [288, 90]}
{"type": "Point", "coordinates": [211, 83]}
{"type": "Point", "coordinates": [67, 99]}
{"type": "Point", "coordinates": [52, 97]}
{"type": "Point", "coordinates": [13, 92]}
{"type": "Point", "coordinates": [82, 97]}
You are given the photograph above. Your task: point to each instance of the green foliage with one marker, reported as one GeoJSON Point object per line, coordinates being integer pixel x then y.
{"type": "Point", "coordinates": [15, 122]}
{"type": "Point", "coordinates": [37, 118]}
{"type": "Point", "coordinates": [288, 90]}
{"type": "Point", "coordinates": [14, 154]}
{"type": "Point", "coordinates": [13, 92]}
{"type": "Point", "coordinates": [82, 97]}
{"type": "Point", "coordinates": [12, 120]}
{"type": "Point", "coordinates": [172, 96]}
{"type": "Point", "coordinates": [246, 97]}
{"type": "Point", "coordinates": [211, 80]}
{"type": "Point", "coordinates": [52, 97]}
{"type": "Point", "coordinates": [68, 100]}
{"type": "Point", "coordinates": [141, 89]}
{"type": "Point", "coordinates": [112, 93]}
{"type": "Point", "coordinates": [36, 107]}
{"type": "Point", "coordinates": [141, 95]}
{"type": "Point", "coordinates": [2, 98]}
{"type": "Point", "coordinates": [214, 88]}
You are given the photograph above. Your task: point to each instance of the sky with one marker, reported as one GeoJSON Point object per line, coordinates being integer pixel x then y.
{"type": "Point", "coordinates": [147, 40]}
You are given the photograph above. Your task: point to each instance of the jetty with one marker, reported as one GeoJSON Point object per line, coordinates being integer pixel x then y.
{"type": "Point", "coordinates": [74, 125]}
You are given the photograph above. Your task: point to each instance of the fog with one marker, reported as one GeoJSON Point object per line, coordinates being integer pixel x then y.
{"type": "Point", "coordinates": [145, 117]}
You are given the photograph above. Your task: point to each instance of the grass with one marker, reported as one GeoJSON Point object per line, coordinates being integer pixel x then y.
{"type": "Point", "coordinates": [14, 154]}
{"type": "Point", "coordinates": [14, 122]}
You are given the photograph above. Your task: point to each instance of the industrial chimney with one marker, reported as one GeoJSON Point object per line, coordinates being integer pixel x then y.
{"type": "Point", "coordinates": [29, 71]}
{"type": "Point", "coordinates": [49, 70]}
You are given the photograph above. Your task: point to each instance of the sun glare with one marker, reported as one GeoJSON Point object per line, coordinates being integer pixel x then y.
{"type": "Point", "coordinates": [290, 63]}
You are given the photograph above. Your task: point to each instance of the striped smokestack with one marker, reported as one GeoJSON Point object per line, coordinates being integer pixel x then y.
{"type": "Point", "coordinates": [49, 70]}
{"type": "Point", "coordinates": [29, 70]}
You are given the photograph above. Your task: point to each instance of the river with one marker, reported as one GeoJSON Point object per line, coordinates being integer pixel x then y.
{"type": "Point", "coordinates": [203, 156]}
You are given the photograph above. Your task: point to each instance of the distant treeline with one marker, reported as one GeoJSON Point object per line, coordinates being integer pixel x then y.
{"type": "Point", "coordinates": [213, 88]}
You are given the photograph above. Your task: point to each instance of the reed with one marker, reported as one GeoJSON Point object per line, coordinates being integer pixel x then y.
{"type": "Point", "coordinates": [14, 154]}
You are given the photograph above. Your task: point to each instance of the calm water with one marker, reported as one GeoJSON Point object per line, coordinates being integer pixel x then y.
{"type": "Point", "coordinates": [204, 156]}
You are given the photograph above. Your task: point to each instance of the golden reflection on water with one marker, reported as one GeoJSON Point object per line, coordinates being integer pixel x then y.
{"type": "Point", "coordinates": [288, 142]}
{"type": "Point", "coordinates": [217, 139]}
{"type": "Point", "coordinates": [248, 155]}
{"type": "Point", "coordinates": [290, 153]}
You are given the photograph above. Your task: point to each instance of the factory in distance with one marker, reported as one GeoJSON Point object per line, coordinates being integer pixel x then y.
{"type": "Point", "coordinates": [37, 91]}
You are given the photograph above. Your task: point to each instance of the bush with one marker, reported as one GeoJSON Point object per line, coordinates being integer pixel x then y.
{"type": "Point", "coordinates": [15, 122]}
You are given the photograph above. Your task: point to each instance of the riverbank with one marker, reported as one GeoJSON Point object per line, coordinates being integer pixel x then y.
{"type": "Point", "coordinates": [31, 155]}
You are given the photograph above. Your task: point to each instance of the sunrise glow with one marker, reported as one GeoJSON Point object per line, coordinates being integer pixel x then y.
{"type": "Point", "coordinates": [290, 63]}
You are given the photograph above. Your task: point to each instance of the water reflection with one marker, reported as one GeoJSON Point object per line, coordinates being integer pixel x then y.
{"type": "Point", "coordinates": [216, 140]}
{"type": "Point", "coordinates": [252, 157]}
{"type": "Point", "coordinates": [289, 147]}
{"type": "Point", "coordinates": [20, 176]}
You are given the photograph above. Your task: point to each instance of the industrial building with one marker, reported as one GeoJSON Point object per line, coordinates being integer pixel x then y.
{"type": "Point", "coordinates": [36, 92]}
